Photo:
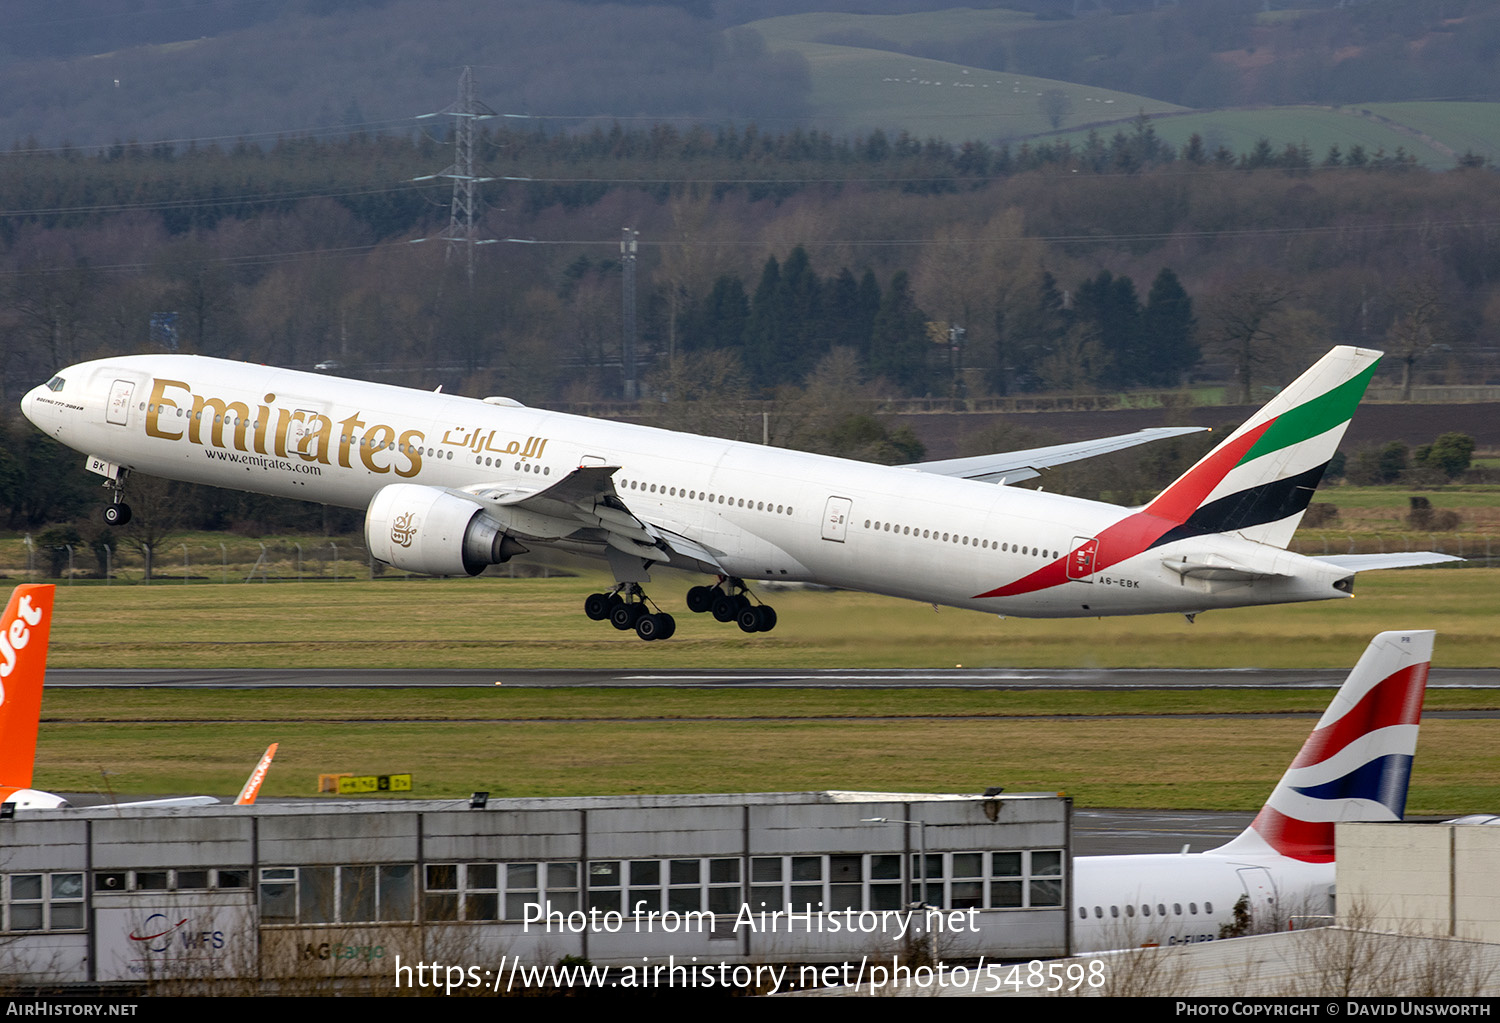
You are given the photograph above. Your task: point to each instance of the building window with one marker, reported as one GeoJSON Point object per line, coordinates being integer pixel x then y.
{"type": "Point", "coordinates": [44, 902]}
{"type": "Point", "coordinates": [497, 891]}
{"type": "Point", "coordinates": [365, 893]}
{"type": "Point", "coordinates": [1025, 880]}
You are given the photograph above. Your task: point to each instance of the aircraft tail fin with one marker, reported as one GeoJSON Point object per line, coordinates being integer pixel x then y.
{"type": "Point", "coordinates": [1356, 764]}
{"type": "Point", "coordinates": [24, 631]}
{"type": "Point", "coordinates": [1260, 479]}
{"type": "Point", "coordinates": [252, 784]}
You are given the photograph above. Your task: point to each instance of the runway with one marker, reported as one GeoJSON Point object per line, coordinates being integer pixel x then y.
{"type": "Point", "coordinates": [977, 678]}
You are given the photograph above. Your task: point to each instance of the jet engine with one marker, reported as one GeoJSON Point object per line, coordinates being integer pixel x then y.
{"type": "Point", "coordinates": [33, 799]}
{"type": "Point", "coordinates": [435, 532]}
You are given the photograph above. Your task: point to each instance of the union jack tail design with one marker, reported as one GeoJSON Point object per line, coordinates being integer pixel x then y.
{"type": "Point", "coordinates": [1356, 764]}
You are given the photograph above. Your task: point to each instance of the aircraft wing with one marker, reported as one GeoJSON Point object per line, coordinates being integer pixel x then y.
{"type": "Point", "coordinates": [585, 499]}
{"type": "Point", "coordinates": [1015, 466]}
{"type": "Point", "coordinates": [1396, 559]}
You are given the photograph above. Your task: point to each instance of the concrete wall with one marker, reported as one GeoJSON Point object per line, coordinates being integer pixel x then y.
{"type": "Point", "coordinates": [342, 889]}
{"type": "Point", "coordinates": [1430, 879]}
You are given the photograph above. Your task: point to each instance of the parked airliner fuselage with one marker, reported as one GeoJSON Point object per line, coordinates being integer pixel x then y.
{"type": "Point", "coordinates": [1167, 899]}
{"type": "Point", "coordinates": [1355, 766]}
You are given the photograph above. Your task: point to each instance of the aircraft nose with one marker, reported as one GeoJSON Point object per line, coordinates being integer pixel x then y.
{"type": "Point", "coordinates": [32, 407]}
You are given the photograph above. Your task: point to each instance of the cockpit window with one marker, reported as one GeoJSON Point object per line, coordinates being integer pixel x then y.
{"type": "Point", "coordinates": [56, 384]}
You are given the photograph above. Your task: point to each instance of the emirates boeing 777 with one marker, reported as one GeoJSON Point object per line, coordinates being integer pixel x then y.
{"type": "Point", "coordinates": [452, 485]}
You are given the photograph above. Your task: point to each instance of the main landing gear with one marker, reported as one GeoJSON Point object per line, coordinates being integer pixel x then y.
{"type": "Point", "coordinates": [729, 601]}
{"type": "Point", "coordinates": [626, 608]}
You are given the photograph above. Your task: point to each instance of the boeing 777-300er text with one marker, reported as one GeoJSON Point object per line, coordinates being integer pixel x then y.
{"type": "Point", "coordinates": [1354, 767]}
{"type": "Point", "coordinates": [451, 485]}
{"type": "Point", "coordinates": [24, 633]}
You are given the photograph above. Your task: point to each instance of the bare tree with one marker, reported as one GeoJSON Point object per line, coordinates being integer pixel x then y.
{"type": "Point", "coordinates": [155, 515]}
{"type": "Point", "coordinates": [1419, 330]}
{"type": "Point", "coordinates": [1055, 104]}
{"type": "Point", "coordinates": [1256, 325]}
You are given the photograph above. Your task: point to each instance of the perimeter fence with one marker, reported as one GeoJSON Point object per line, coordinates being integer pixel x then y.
{"type": "Point", "coordinates": [196, 561]}
{"type": "Point", "coordinates": [229, 559]}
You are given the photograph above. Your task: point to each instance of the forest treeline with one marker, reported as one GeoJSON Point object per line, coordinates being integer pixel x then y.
{"type": "Point", "coordinates": [771, 265]}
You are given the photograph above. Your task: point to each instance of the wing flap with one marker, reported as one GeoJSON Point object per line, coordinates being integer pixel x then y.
{"type": "Point", "coordinates": [587, 497]}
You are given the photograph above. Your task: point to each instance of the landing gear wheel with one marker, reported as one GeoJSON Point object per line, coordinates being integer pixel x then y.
{"type": "Point", "coordinates": [657, 626]}
{"type": "Point", "coordinates": [726, 608]}
{"type": "Point", "coordinates": [599, 605]}
{"type": "Point", "coordinates": [700, 599]}
{"type": "Point", "coordinates": [625, 616]}
{"type": "Point", "coordinates": [761, 618]}
{"type": "Point", "coordinates": [116, 514]}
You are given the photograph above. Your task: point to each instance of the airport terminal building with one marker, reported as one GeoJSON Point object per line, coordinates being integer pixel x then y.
{"type": "Point", "coordinates": [328, 890]}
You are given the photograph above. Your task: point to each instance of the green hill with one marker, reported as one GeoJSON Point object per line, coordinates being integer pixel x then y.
{"type": "Point", "coordinates": [857, 88]}
{"type": "Point", "coordinates": [862, 80]}
{"type": "Point", "coordinates": [1436, 134]}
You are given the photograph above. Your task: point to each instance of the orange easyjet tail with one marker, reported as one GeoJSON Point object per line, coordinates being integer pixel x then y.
{"type": "Point", "coordinates": [23, 666]}
{"type": "Point", "coordinates": [252, 784]}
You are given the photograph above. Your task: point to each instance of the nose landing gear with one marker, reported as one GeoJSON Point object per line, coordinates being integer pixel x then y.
{"type": "Point", "coordinates": [117, 512]}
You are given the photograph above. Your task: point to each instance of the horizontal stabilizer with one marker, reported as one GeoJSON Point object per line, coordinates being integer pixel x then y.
{"type": "Point", "coordinates": [1015, 466]}
{"type": "Point", "coordinates": [1218, 567]}
{"type": "Point", "coordinates": [1396, 559]}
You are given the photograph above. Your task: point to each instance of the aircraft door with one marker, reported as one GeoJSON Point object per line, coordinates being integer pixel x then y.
{"type": "Point", "coordinates": [836, 519]}
{"type": "Point", "coordinates": [117, 409]}
{"type": "Point", "coordinates": [1261, 889]}
{"type": "Point", "coordinates": [1081, 560]}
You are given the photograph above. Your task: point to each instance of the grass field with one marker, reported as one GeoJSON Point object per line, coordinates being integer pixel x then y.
{"type": "Point", "coordinates": [1172, 762]}
{"type": "Point", "coordinates": [1158, 748]}
{"type": "Point", "coordinates": [861, 80]}
{"type": "Point", "coordinates": [538, 623]}
{"type": "Point", "coordinates": [1319, 127]}
{"type": "Point", "coordinates": [856, 88]}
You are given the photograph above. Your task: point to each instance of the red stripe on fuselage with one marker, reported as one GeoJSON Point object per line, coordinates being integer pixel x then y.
{"type": "Point", "coordinates": [1138, 531]}
{"type": "Point", "coordinates": [1182, 498]}
{"type": "Point", "coordinates": [1125, 539]}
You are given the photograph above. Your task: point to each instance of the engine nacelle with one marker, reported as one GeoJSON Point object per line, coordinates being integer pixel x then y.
{"type": "Point", "coordinates": [32, 799]}
{"type": "Point", "coordinates": [427, 530]}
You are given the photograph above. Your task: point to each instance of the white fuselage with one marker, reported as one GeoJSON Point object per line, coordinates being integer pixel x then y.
{"type": "Point", "coordinates": [767, 513]}
{"type": "Point", "coordinates": [1179, 899]}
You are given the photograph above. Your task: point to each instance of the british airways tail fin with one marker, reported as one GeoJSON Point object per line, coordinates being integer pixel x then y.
{"type": "Point", "coordinates": [1259, 480]}
{"type": "Point", "coordinates": [1356, 764]}
{"type": "Point", "coordinates": [24, 631]}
